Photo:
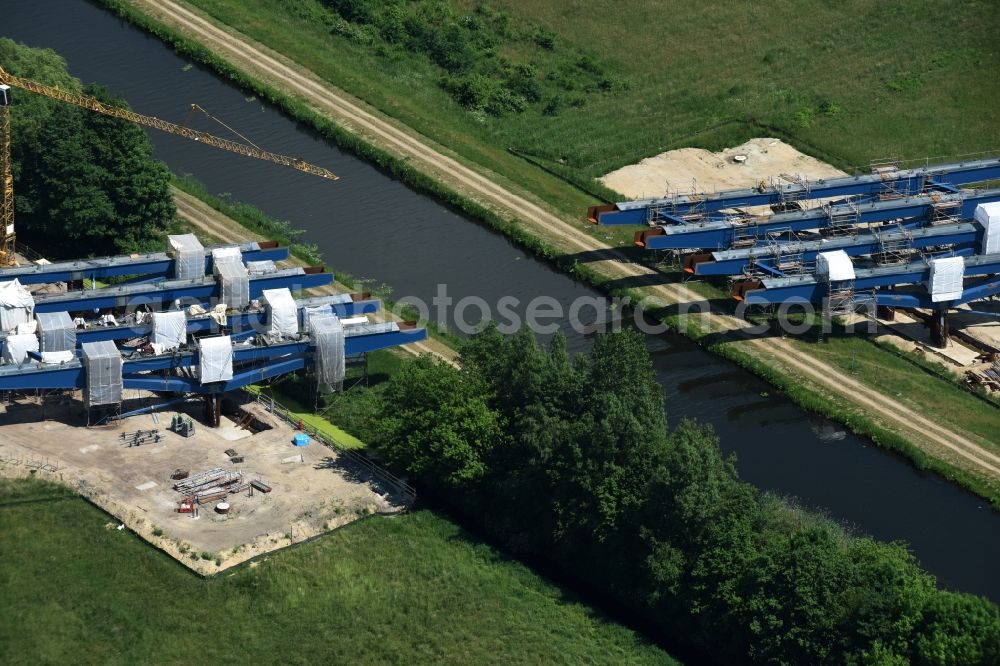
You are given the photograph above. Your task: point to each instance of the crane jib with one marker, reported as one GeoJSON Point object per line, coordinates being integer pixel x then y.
{"type": "Point", "coordinates": [97, 106]}
{"type": "Point", "coordinates": [7, 248]}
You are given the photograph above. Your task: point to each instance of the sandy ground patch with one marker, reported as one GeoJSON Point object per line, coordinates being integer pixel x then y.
{"type": "Point", "coordinates": [690, 170]}
{"type": "Point", "coordinates": [314, 489]}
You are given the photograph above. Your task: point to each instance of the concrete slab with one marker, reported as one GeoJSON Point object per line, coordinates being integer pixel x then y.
{"type": "Point", "coordinates": [320, 491]}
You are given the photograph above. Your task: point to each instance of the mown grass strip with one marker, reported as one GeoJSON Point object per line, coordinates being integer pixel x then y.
{"type": "Point", "coordinates": [77, 592]}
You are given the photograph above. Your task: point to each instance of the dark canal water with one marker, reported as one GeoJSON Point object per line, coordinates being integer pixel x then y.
{"type": "Point", "coordinates": [373, 227]}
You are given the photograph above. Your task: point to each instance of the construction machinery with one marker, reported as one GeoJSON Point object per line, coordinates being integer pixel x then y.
{"type": "Point", "coordinates": [9, 81]}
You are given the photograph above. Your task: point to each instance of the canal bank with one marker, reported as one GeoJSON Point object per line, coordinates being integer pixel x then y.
{"type": "Point", "coordinates": [934, 437]}
{"type": "Point", "coordinates": [373, 226]}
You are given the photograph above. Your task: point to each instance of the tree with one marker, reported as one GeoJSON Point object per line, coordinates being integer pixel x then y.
{"type": "Point", "coordinates": [85, 184]}
{"type": "Point", "coordinates": [572, 461]}
{"type": "Point", "coordinates": [957, 629]}
{"type": "Point", "coordinates": [437, 424]}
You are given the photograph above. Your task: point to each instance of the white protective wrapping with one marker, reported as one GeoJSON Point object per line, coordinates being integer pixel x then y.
{"type": "Point", "coordinates": [102, 363]}
{"type": "Point", "coordinates": [189, 256]}
{"type": "Point", "coordinates": [215, 359]}
{"type": "Point", "coordinates": [309, 312]}
{"type": "Point", "coordinates": [56, 331]}
{"type": "Point", "coordinates": [55, 358]}
{"type": "Point", "coordinates": [282, 312]}
{"type": "Point", "coordinates": [834, 266]}
{"type": "Point", "coordinates": [988, 216]}
{"type": "Point", "coordinates": [945, 283]}
{"type": "Point", "coordinates": [234, 281]}
{"type": "Point", "coordinates": [328, 337]}
{"type": "Point", "coordinates": [265, 267]}
{"type": "Point", "coordinates": [16, 348]}
{"type": "Point", "coordinates": [16, 305]}
{"type": "Point", "coordinates": [224, 254]}
{"type": "Point", "coordinates": [169, 329]}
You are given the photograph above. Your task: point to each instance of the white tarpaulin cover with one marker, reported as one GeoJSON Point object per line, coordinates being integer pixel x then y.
{"type": "Point", "coordinates": [53, 358]}
{"type": "Point", "coordinates": [310, 312]}
{"type": "Point", "coordinates": [16, 305]}
{"type": "Point", "coordinates": [215, 359]}
{"type": "Point", "coordinates": [189, 256]}
{"type": "Point", "coordinates": [328, 336]}
{"type": "Point", "coordinates": [223, 254]}
{"type": "Point", "coordinates": [945, 283]}
{"type": "Point", "coordinates": [16, 348]}
{"type": "Point", "coordinates": [234, 282]}
{"type": "Point", "coordinates": [835, 266]}
{"type": "Point", "coordinates": [261, 267]}
{"type": "Point", "coordinates": [56, 331]}
{"type": "Point", "coordinates": [282, 312]}
{"type": "Point", "coordinates": [988, 216]}
{"type": "Point", "coordinates": [103, 364]}
{"type": "Point", "coordinates": [169, 329]}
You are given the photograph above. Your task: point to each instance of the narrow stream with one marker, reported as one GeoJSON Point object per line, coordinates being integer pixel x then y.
{"type": "Point", "coordinates": [371, 226]}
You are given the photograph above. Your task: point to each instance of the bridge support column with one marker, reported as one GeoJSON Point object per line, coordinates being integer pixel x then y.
{"type": "Point", "coordinates": [886, 313]}
{"type": "Point", "coordinates": [939, 328]}
{"type": "Point", "coordinates": [213, 410]}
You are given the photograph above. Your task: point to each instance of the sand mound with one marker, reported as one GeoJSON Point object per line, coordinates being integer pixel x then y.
{"type": "Point", "coordinates": [696, 170]}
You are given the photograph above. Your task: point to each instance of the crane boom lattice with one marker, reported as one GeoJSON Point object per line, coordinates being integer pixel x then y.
{"type": "Point", "coordinates": [97, 106]}
{"type": "Point", "coordinates": [7, 80]}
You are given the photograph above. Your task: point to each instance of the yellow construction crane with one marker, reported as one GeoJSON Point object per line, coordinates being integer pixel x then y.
{"type": "Point", "coordinates": [8, 81]}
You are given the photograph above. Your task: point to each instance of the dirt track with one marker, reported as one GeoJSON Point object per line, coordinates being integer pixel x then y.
{"type": "Point", "coordinates": [280, 72]}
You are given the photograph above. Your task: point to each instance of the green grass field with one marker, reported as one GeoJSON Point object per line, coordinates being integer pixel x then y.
{"type": "Point", "coordinates": [406, 589]}
{"type": "Point", "coordinates": [849, 81]}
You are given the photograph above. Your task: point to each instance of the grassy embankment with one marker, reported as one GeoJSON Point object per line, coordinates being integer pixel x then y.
{"type": "Point", "coordinates": [360, 70]}
{"type": "Point", "coordinates": [405, 589]}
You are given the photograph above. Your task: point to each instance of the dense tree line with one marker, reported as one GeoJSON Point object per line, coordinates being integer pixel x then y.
{"type": "Point", "coordinates": [85, 184]}
{"type": "Point", "coordinates": [573, 461]}
{"type": "Point", "coordinates": [489, 63]}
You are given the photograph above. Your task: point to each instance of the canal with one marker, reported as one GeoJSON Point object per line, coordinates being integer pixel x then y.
{"type": "Point", "coordinates": [371, 226]}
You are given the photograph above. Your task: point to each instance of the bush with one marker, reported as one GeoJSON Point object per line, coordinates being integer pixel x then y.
{"type": "Point", "coordinates": [572, 461]}
{"type": "Point", "coordinates": [467, 48]}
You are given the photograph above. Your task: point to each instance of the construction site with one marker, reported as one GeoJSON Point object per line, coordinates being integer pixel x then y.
{"type": "Point", "coordinates": [209, 497]}
{"type": "Point", "coordinates": [916, 250]}
{"type": "Point", "coordinates": [126, 378]}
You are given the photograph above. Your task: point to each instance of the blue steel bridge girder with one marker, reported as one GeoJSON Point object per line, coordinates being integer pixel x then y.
{"type": "Point", "coordinates": [734, 262]}
{"type": "Point", "coordinates": [915, 211]}
{"type": "Point", "coordinates": [914, 299]}
{"type": "Point", "coordinates": [908, 180]}
{"type": "Point", "coordinates": [270, 361]}
{"type": "Point", "coordinates": [240, 379]}
{"type": "Point", "coordinates": [155, 264]}
{"type": "Point", "coordinates": [244, 322]}
{"type": "Point", "coordinates": [157, 293]}
{"type": "Point", "coordinates": [811, 289]}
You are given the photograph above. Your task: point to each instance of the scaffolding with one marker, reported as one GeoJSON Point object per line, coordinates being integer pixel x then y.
{"type": "Point", "coordinates": [56, 332]}
{"type": "Point", "coordinates": [895, 245]}
{"type": "Point", "coordinates": [791, 196]}
{"type": "Point", "coordinates": [234, 282]}
{"type": "Point", "coordinates": [945, 212]}
{"type": "Point", "coordinates": [102, 363]}
{"type": "Point", "coordinates": [327, 333]}
{"type": "Point", "coordinates": [842, 220]}
{"type": "Point", "coordinates": [189, 256]}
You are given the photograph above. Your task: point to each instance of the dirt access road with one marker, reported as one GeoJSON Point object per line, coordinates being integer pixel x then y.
{"type": "Point", "coordinates": [258, 61]}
